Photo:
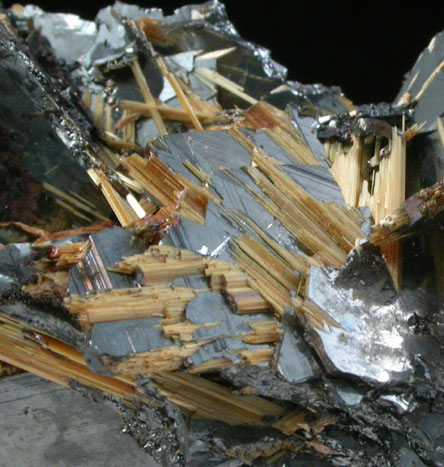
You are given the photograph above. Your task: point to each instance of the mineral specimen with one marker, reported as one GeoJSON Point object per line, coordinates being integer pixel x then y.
{"type": "Point", "coordinates": [249, 268]}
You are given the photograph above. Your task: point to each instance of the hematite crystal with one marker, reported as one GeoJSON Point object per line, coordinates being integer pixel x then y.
{"type": "Point", "coordinates": [242, 309]}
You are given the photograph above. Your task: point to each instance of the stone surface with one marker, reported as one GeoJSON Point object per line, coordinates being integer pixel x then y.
{"type": "Point", "coordinates": [43, 424]}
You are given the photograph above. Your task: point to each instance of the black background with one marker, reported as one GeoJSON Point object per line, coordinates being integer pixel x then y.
{"type": "Point", "coordinates": [364, 47]}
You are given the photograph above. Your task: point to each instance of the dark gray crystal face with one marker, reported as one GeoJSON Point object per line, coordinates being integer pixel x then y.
{"type": "Point", "coordinates": [427, 427]}
{"type": "Point", "coordinates": [14, 266]}
{"type": "Point", "coordinates": [294, 362]}
{"type": "Point", "coordinates": [118, 340]}
{"type": "Point", "coordinates": [212, 150]}
{"type": "Point", "coordinates": [210, 307]}
{"type": "Point", "coordinates": [225, 337]}
{"type": "Point", "coordinates": [121, 338]}
{"type": "Point", "coordinates": [307, 127]}
{"type": "Point", "coordinates": [47, 130]}
{"type": "Point", "coordinates": [427, 161]}
{"type": "Point", "coordinates": [221, 347]}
